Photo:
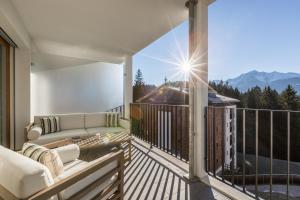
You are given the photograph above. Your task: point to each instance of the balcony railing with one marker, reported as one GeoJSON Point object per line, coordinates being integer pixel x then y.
{"type": "Point", "coordinates": [118, 109]}
{"type": "Point", "coordinates": [254, 149]}
{"type": "Point", "coordinates": [163, 126]}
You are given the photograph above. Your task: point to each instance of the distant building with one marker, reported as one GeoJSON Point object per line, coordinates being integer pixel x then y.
{"type": "Point", "coordinates": [221, 129]}
{"type": "Point", "coordinates": [166, 94]}
{"type": "Point", "coordinates": [221, 122]}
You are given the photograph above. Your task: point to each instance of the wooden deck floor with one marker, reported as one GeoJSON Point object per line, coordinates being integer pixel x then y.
{"type": "Point", "coordinates": [152, 176]}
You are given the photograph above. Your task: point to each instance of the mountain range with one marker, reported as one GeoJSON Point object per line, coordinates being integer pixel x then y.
{"type": "Point", "coordinates": [276, 80]}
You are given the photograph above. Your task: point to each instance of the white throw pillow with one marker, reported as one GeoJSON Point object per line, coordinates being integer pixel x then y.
{"type": "Point", "coordinates": [34, 133]}
{"type": "Point", "coordinates": [68, 153]}
{"type": "Point", "coordinates": [47, 157]}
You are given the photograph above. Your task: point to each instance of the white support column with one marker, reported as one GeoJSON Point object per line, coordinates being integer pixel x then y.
{"type": "Point", "coordinates": [127, 85]}
{"type": "Point", "coordinates": [198, 19]}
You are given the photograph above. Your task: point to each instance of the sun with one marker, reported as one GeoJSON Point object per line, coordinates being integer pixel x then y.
{"type": "Point", "coordinates": [186, 67]}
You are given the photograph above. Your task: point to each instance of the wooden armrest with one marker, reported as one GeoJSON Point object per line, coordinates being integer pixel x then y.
{"type": "Point", "coordinates": [98, 164]}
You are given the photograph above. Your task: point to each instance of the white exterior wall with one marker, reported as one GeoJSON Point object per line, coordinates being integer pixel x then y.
{"type": "Point", "coordinates": [87, 88]}
{"type": "Point", "coordinates": [230, 122]}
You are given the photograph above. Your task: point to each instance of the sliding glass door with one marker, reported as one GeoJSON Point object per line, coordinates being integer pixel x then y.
{"type": "Point", "coordinates": [4, 93]}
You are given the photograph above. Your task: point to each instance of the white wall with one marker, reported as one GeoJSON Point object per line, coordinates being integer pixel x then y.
{"type": "Point", "coordinates": [85, 88]}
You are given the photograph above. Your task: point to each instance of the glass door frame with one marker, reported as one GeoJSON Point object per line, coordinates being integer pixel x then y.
{"type": "Point", "coordinates": [7, 92]}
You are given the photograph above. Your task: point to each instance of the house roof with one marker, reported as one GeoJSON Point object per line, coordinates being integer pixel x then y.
{"type": "Point", "coordinates": [161, 89]}
{"type": "Point", "coordinates": [213, 97]}
{"type": "Point", "coordinates": [96, 30]}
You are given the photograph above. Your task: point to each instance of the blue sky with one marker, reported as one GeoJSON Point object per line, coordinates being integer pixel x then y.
{"type": "Point", "coordinates": [243, 35]}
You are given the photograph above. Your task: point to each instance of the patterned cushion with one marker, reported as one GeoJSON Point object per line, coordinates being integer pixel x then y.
{"type": "Point", "coordinates": [47, 157]}
{"type": "Point", "coordinates": [112, 119]}
{"type": "Point", "coordinates": [50, 124]}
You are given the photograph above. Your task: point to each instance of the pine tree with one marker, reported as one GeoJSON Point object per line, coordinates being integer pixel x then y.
{"type": "Point", "coordinates": [139, 81]}
{"type": "Point", "coordinates": [138, 87]}
{"type": "Point", "coordinates": [290, 99]}
{"type": "Point", "coordinates": [254, 98]}
{"type": "Point", "coordinates": [270, 99]}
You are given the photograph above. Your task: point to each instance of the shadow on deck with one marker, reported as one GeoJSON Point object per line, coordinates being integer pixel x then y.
{"type": "Point", "coordinates": [149, 177]}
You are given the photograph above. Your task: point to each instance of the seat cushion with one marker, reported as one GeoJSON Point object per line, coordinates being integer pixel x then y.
{"type": "Point", "coordinates": [44, 139]}
{"type": "Point", "coordinates": [93, 131]}
{"type": "Point", "coordinates": [95, 119]}
{"type": "Point", "coordinates": [77, 166]}
{"type": "Point", "coordinates": [71, 121]}
{"type": "Point", "coordinates": [22, 176]}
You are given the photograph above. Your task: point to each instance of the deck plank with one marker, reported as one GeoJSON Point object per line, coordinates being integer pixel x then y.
{"type": "Point", "coordinates": [147, 177]}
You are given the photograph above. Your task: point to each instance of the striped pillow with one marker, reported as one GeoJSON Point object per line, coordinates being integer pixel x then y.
{"type": "Point", "coordinates": [50, 124]}
{"type": "Point", "coordinates": [112, 119]}
{"type": "Point", "coordinates": [47, 157]}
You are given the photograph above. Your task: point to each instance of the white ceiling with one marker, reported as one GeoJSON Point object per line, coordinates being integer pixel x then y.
{"type": "Point", "coordinates": [42, 62]}
{"type": "Point", "coordinates": [97, 30]}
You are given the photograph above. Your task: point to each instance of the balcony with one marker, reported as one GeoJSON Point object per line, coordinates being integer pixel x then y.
{"type": "Point", "coordinates": [240, 145]}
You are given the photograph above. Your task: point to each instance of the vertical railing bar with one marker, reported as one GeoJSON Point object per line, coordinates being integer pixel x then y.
{"type": "Point", "coordinates": [149, 125]}
{"type": "Point", "coordinates": [173, 130]}
{"type": "Point", "coordinates": [181, 132]}
{"type": "Point", "coordinates": [155, 125]}
{"type": "Point", "coordinates": [288, 151]}
{"type": "Point", "coordinates": [256, 154]}
{"type": "Point", "coordinates": [161, 125]}
{"type": "Point", "coordinates": [140, 121]}
{"type": "Point", "coordinates": [187, 135]}
{"type": "Point", "coordinates": [214, 141]}
{"type": "Point", "coordinates": [223, 142]}
{"type": "Point", "coordinates": [152, 124]}
{"type": "Point", "coordinates": [130, 118]}
{"type": "Point", "coordinates": [157, 113]}
{"type": "Point", "coordinates": [176, 127]}
{"type": "Point", "coordinates": [244, 149]}
{"type": "Point", "coordinates": [164, 127]}
{"type": "Point", "coordinates": [271, 153]}
{"type": "Point", "coordinates": [206, 139]}
{"type": "Point", "coordinates": [168, 128]}
{"type": "Point", "coordinates": [123, 111]}
{"type": "Point", "coordinates": [231, 150]}
{"type": "Point", "coordinates": [145, 122]}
